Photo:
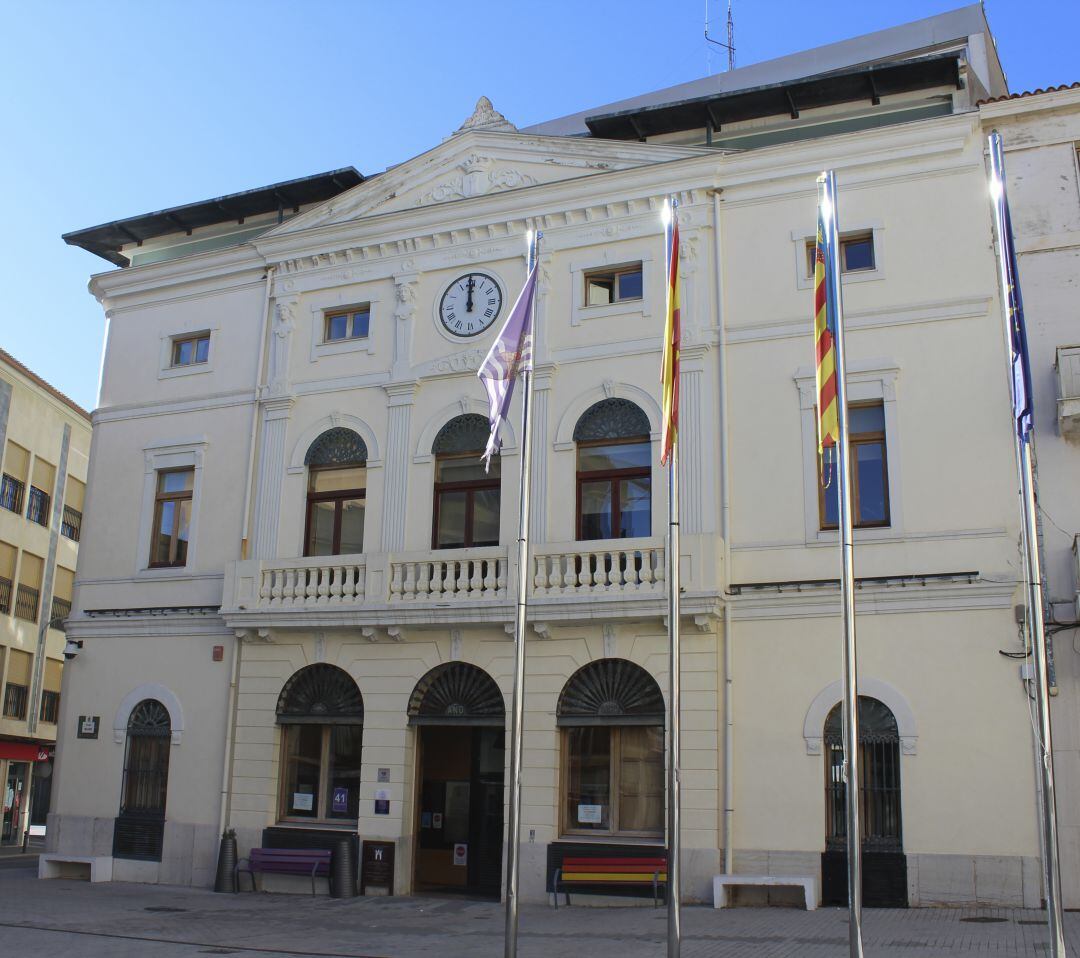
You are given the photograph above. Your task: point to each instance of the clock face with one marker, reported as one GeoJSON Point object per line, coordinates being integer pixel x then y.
{"type": "Point", "coordinates": [470, 304]}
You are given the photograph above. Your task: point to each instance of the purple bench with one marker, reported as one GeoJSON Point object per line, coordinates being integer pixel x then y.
{"type": "Point", "coordinates": [285, 861]}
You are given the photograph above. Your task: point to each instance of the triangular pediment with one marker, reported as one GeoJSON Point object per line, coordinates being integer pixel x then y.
{"type": "Point", "coordinates": [479, 163]}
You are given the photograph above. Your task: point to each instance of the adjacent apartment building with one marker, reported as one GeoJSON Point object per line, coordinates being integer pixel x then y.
{"type": "Point", "coordinates": [45, 443]}
{"type": "Point", "coordinates": [297, 598]}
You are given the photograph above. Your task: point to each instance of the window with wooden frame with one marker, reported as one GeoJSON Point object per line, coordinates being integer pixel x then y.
{"type": "Point", "coordinates": [611, 715]}
{"type": "Point", "coordinates": [191, 350]}
{"type": "Point", "coordinates": [321, 713]}
{"type": "Point", "coordinates": [351, 323]}
{"type": "Point", "coordinates": [172, 518]}
{"type": "Point", "coordinates": [869, 471]}
{"type": "Point", "coordinates": [614, 472]}
{"type": "Point", "coordinates": [465, 510]}
{"type": "Point", "coordinates": [613, 285]}
{"type": "Point", "coordinates": [16, 473]}
{"type": "Point", "coordinates": [41, 486]}
{"type": "Point", "coordinates": [856, 253]}
{"type": "Point", "coordinates": [337, 494]}
{"type": "Point", "coordinates": [17, 687]}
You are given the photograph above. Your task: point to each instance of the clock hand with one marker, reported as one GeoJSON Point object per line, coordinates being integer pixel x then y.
{"type": "Point", "coordinates": [468, 302]}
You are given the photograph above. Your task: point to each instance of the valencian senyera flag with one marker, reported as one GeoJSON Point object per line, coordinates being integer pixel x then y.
{"type": "Point", "coordinates": [1018, 348]}
{"type": "Point", "coordinates": [510, 354]}
{"type": "Point", "coordinates": [825, 346]}
{"type": "Point", "coordinates": [669, 364]}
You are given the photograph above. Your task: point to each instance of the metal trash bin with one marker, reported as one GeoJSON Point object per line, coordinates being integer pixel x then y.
{"type": "Point", "coordinates": [343, 870]}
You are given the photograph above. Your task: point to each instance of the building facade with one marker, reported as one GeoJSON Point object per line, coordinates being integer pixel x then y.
{"type": "Point", "coordinates": [301, 626]}
{"type": "Point", "coordinates": [45, 443]}
{"type": "Point", "coordinates": [1041, 134]}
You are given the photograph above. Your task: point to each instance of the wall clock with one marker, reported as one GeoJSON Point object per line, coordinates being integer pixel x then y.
{"type": "Point", "coordinates": [470, 304]}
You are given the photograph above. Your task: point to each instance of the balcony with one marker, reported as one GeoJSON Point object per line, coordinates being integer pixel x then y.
{"type": "Point", "coordinates": [383, 594]}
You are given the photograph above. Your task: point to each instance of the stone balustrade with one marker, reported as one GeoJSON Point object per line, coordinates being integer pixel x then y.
{"type": "Point", "coordinates": [449, 575]}
{"type": "Point", "coordinates": [314, 581]}
{"type": "Point", "coordinates": [629, 566]}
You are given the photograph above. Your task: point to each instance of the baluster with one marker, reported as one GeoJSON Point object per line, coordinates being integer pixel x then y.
{"type": "Point", "coordinates": [307, 592]}
{"type": "Point", "coordinates": [540, 575]}
{"type": "Point", "coordinates": [275, 592]}
{"type": "Point", "coordinates": [475, 572]}
{"type": "Point", "coordinates": [348, 583]}
{"type": "Point", "coordinates": [395, 581]}
{"type": "Point", "coordinates": [488, 578]}
{"type": "Point", "coordinates": [265, 587]}
{"type": "Point", "coordinates": [660, 569]}
{"type": "Point", "coordinates": [409, 586]}
{"type": "Point", "coordinates": [323, 573]}
{"type": "Point", "coordinates": [336, 575]}
{"type": "Point", "coordinates": [288, 586]}
{"type": "Point", "coordinates": [500, 580]}
{"type": "Point", "coordinates": [645, 575]}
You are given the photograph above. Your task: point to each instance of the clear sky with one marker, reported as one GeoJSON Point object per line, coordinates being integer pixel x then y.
{"type": "Point", "coordinates": [113, 108]}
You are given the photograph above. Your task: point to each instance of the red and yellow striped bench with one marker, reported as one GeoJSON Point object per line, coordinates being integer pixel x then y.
{"type": "Point", "coordinates": [609, 871]}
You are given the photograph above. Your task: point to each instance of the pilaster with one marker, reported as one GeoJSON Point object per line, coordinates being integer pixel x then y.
{"type": "Point", "coordinates": [404, 310]}
{"type": "Point", "coordinates": [539, 489]}
{"type": "Point", "coordinates": [271, 475]}
{"type": "Point", "coordinates": [695, 444]}
{"type": "Point", "coordinates": [400, 397]}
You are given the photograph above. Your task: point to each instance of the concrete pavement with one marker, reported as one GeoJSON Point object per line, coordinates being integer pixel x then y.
{"type": "Point", "coordinates": [49, 918]}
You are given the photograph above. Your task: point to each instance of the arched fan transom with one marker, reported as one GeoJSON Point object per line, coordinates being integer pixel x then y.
{"type": "Point", "coordinates": [456, 693]}
{"type": "Point", "coordinates": [611, 692]}
{"type": "Point", "coordinates": [322, 694]}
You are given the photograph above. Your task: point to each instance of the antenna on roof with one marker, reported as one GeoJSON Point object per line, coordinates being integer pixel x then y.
{"type": "Point", "coordinates": [730, 45]}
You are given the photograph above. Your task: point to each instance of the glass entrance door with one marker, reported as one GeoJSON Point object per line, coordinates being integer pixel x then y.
{"type": "Point", "coordinates": [14, 803]}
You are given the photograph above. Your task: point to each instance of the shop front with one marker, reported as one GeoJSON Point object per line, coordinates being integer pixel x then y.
{"type": "Point", "coordinates": [17, 767]}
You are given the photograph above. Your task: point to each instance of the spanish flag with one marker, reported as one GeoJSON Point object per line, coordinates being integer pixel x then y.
{"type": "Point", "coordinates": [669, 370]}
{"type": "Point", "coordinates": [825, 347]}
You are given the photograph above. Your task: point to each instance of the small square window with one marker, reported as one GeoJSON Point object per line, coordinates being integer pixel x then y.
{"type": "Point", "coordinates": [856, 253]}
{"type": "Point", "coordinates": [606, 286]}
{"type": "Point", "coordinates": [191, 350]}
{"type": "Point", "coordinates": [351, 323]}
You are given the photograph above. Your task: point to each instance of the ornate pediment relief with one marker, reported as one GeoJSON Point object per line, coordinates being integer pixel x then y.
{"type": "Point", "coordinates": [475, 162]}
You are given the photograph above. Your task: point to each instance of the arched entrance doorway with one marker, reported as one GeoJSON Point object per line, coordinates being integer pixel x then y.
{"type": "Point", "coordinates": [883, 861]}
{"type": "Point", "coordinates": [461, 718]}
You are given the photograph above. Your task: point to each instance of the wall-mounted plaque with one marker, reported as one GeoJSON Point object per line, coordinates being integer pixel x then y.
{"type": "Point", "coordinates": [88, 726]}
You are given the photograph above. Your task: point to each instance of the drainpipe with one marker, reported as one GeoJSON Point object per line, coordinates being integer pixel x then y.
{"type": "Point", "coordinates": [255, 412]}
{"type": "Point", "coordinates": [725, 532]}
{"type": "Point", "coordinates": [230, 730]}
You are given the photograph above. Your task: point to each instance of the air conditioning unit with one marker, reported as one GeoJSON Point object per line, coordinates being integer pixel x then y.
{"type": "Point", "coordinates": [1067, 365]}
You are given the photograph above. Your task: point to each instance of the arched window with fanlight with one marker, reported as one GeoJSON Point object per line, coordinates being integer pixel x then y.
{"type": "Point", "coordinates": [321, 714]}
{"type": "Point", "coordinates": [466, 499]}
{"type": "Point", "coordinates": [614, 471]}
{"type": "Point", "coordinates": [337, 494]}
{"type": "Point", "coordinates": [611, 713]}
{"type": "Point", "coordinates": [140, 827]}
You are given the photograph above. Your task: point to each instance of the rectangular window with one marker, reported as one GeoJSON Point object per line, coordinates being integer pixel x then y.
{"type": "Point", "coordinates": [16, 691]}
{"type": "Point", "coordinates": [50, 696]}
{"type": "Point", "coordinates": [614, 780]}
{"type": "Point", "coordinates": [28, 595]}
{"type": "Point", "coordinates": [63, 585]}
{"type": "Point", "coordinates": [869, 471]}
{"type": "Point", "coordinates": [352, 323]}
{"type": "Point", "coordinates": [16, 473]}
{"type": "Point", "coordinates": [191, 350]}
{"type": "Point", "coordinates": [619, 284]}
{"type": "Point", "coordinates": [172, 518]}
{"type": "Point", "coordinates": [614, 490]}
{"type": "Point", "coordinates": [856, 253]}
{"type": "Point", "coordinates": [74, 497]}
{"type": "Point", "coordinates": [321, 780]}
{"type": "Point", "coordinates": [37, 508]}
{"type": "Point", "coordinates": [466, 502]}
{"type": "Point", "coordinates": [7, 576]}
{"type": "Point", "coordinates": [337, 502]}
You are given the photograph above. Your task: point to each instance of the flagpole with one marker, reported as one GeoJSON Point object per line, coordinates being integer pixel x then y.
{"type": "Point", "coordinates": [827, 203]}
{"type": "Point", "coordinates": [674, 826]}
{"type": "Point", "coordinates": [518, 707]}
{"type": "Point", "coordinates": [1033, 591]}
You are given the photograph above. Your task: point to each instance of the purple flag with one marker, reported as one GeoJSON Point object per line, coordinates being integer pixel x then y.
{"type": "Point", "coordinates": [509, 354]}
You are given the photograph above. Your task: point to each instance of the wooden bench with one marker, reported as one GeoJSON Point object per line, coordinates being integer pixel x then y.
{"type": "Point", "coordinates": [609, 871]}
{"type": "Point", "coordinates": [285, 861]}
{"type": "Point", "coordinates": [721, 884]}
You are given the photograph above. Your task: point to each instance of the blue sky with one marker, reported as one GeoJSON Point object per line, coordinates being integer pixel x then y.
{"type": "Point", "coordinates": [117, 108]}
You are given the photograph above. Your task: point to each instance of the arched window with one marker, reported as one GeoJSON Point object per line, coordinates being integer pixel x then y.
{"type": "Point", "coordinates": [337, 493]}
{"type": "Point", "coordinates": [879, 771]}
{"type": "Point", "coordinates": [466, 508]}
{"type": "Point", "coordinates": [321, 712]}
{"type": "Point", "coordinates": [614, 481]}
{"type": "Point", "coordinates": [612, 716]}
{"type": "Point", "coordinates": [457, 693]}
{"type": "Point", "coordinates": [140, 827]}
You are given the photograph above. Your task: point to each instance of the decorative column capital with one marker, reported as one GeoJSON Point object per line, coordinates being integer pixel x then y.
{"type": "Point", "coordinates": [405, 295]}
{"type": "Point", "coordinates": [542, 375]}
{"type": "Point", "coordinates": [401, 394]}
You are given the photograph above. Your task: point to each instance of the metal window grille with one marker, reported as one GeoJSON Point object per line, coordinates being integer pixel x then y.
{"type": "Point", "coordinates": [71, 524]}
{"type": "Point", "coordinates": [139, 829]}
{"type": "Point", "coordinates": [37, 509]}
{"type": "Point", "coordinates": [879, 769]}
{"type": "Point", "coordinates": [11, 493]}
{"type": "Point", "coordinates": [61, 609]}
{"type": "Point", "coordinates": [15, 701]}
{"type": "Point", "coordinates": [5, 596]}
{"type": "Point", "coordinates": [26, 603]}
{"type": "Point", "coordinates": [50, 706]}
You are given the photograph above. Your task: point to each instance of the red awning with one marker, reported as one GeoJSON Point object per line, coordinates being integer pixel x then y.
{"type": "Point", "coordinates": [24, 751]}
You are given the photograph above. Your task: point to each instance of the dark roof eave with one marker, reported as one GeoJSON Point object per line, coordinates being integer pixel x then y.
{"type": "Point", "coordinates": [869, 82]}
{"type": "Point", "coordinates": [107, 239]}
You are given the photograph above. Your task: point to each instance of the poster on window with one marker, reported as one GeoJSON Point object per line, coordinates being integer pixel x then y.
{"type": "Point", "coordinates": [382, 801]}
{"type": "Point", "coordinates": [590, 814]}
{"type": "Point", "coordinates": [341, 799]}
{"type": "Point", "coordinates": [303, 801]}
{"type": "Point", "coordinates": [461, 853]}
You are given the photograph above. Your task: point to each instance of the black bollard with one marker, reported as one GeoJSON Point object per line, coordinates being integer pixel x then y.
{"type": "Point", "coordinates": [225, 880]}
{"type": "Point", "coordinates": [343, 870]}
